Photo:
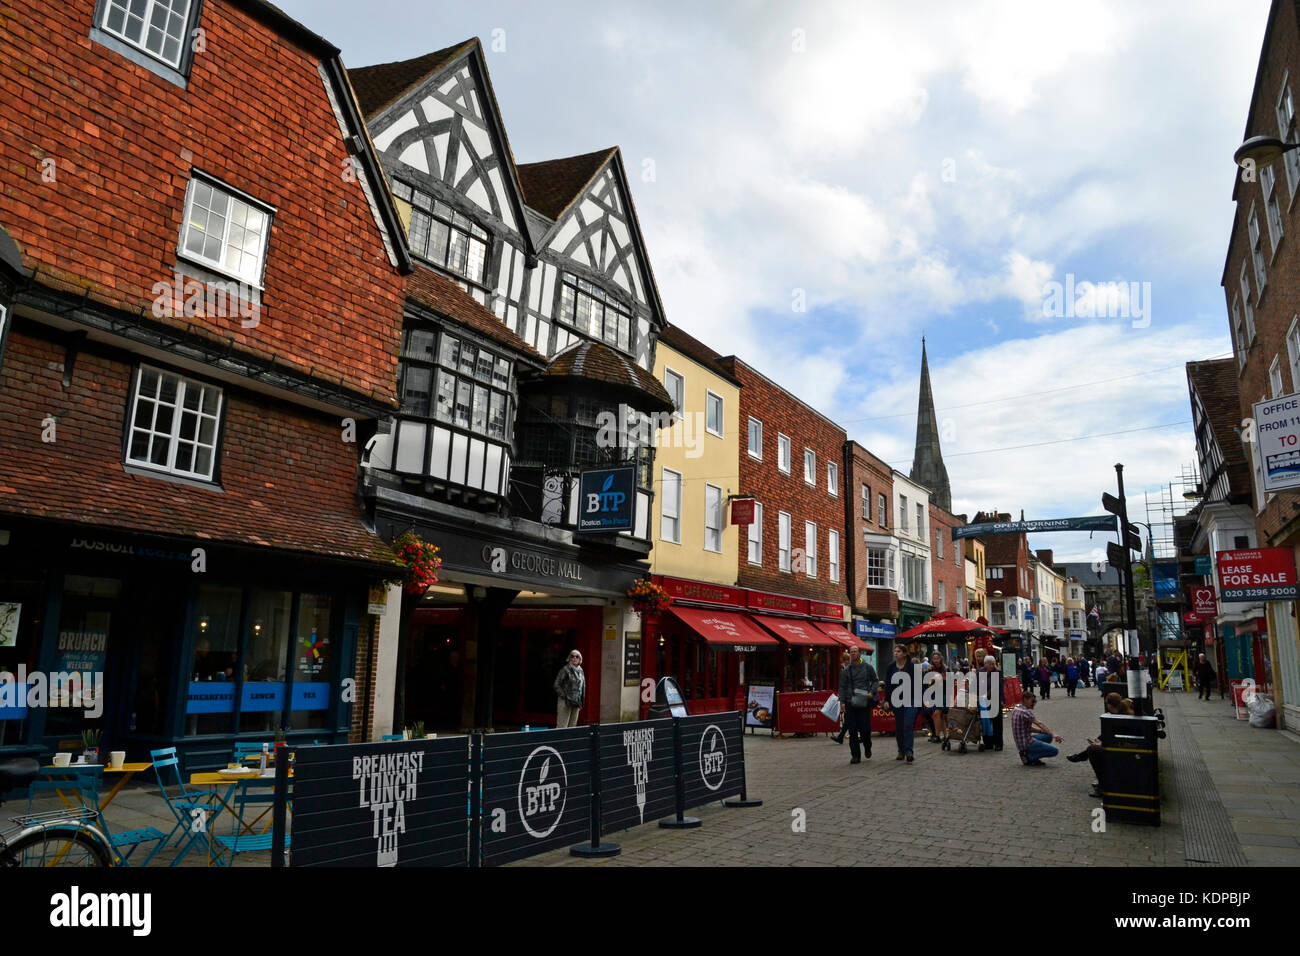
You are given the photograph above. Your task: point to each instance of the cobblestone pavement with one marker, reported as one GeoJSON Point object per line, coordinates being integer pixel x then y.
{"type": "Point", "coordinates": [987, 808]}
{"type": "Point", "coordinates": [1231, 796]}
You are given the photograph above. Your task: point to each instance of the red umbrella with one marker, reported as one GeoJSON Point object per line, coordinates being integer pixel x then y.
{"type": "Point", "coordinates": [945, 624]}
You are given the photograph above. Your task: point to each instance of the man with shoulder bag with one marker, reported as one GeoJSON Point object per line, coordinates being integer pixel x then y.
{"type": "Point", "coordinates": [858, 684]}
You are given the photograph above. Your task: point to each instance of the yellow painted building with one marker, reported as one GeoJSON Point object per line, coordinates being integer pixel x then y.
{"type": "Point", "coordinates": [697, 463]}
{"type": "Point", "coordinates": [977, 601]}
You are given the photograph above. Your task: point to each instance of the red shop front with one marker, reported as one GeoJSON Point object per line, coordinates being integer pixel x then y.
{"type": "Point", "coordinates": [715, 640]}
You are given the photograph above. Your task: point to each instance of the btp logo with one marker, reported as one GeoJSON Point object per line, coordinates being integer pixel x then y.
{"type": "Point", "coordinates": [605, 500]}
{"type": "Point", "coordinates": [543, 792]}
{"type": "Point", "coordinates": [713, 757]}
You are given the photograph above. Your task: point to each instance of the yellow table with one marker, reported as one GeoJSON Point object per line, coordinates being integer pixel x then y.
{"type": "Point", "coordinates": [214, 780]}
{"type": "Point", "coordinates": [124, 773]}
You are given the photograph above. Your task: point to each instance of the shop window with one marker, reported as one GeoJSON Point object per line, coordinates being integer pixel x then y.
{"type": "Point", "coordinates": [22, 599]}
{"type": "Point", "coordinates": [85, 632]}
{"type": "Point", "coordinates": [309, 698]}
{"type": "Point", "coordinates": [262, 699]}
{"type": "Point", "coordinates": [210, 703]}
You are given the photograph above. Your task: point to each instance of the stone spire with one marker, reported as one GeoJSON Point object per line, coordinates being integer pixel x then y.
{"type": "Point", "coordinates": [927, 462]}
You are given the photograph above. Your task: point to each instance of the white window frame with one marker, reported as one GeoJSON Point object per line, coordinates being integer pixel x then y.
{"type": "Point", "coordinates": [713, 517]}
{"type": "Point", "coordinates": [754, 537]}
{"type": "Point", "coordinates": [757, 455]}
{"type": "Point", "coordinates": [809, 466]}
{"type": "Point", "coordinates": [882, 509]}
{"type": "Point", "coordinates": [920, 521]}
{"type": "Point", "coordinates": [141, 44]}
{"type": "Point", "coordinates": [1239, 332]}
{"type": "Point", "coordinates": [1286, 131]}
{"type": "Point", "coordinates": [1272, 207]}
{"type": "Point", "coordinates": [833, 479]}
{"type": "Point", "coordinates": [942, 595]}
{"type": "Point", "coordinates": [902, 513]}
{"type": "Point", "coordinates": [784, 451]}
{"type": "Point", "coordinates": [1275, 377]}
{"type": "Point", "coordinates": [173, 435]}
{"type": "Point", "coordinates": [810, 548]}
{"type": "Point", "coordinates": [938, 543]}
{"type": "Point", "coordinates": [1246, 310]}
{"type": "Point", "coordinates": [833, 555]}
{"type": "Point", "coordinates": [709, 397]}
{"type": "Point", "coordinates": [1293, 350]}
{"type": "Point", "coordinates": [234, 199]}
{"type": "Point", "coordinates": [676, 500]}
{"type": "Point", "coordinates": [866, 504]}
{"type": "Point", "coordinates": [678, 396]}
{"type": "Point", "coordinates": [1256, 240]}
{"type": "Point", "coordinates": [783, 541]}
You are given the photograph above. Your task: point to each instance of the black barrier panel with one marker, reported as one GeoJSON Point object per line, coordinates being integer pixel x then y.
{"type": "Point", "coordinates": [713, 757]}
{"type": "Point", "coordinates": [386, 804]}
{"type": "Point", "coordinates": [536, 792]}
{"type": "Point", "coordinates": [636, 773]}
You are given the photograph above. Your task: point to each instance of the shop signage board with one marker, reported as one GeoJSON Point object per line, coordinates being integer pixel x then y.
{"type": "Point", "coordinates": [742, 511]}
{"type": "Point", "coordinates": [210, 697]}
{"type": "Point", "coordinates": [1203, 564]}
{"type": "Point", "coordinates": [536, 792]}
{"type": "Point", "coordinates": [1261, 574]}
{"type": "Point", "coordinates": [1277, 431]}
{"type": "Point", "coordinates": [777, 602]}
{"type": "Point", "coordinates": [378, 602]}
{"type": "Point", "coordinates": [761, 704]}
{"type": "Point", "coordinates": [701, 592]}
{"type": "Point", "coordinates": [636, 773]}
{"type": "Point", "coordinates": [632, 660]}
{"type": "Point", "coordinates": [800, 712]}
{"type": "Point", "coordinates": [606, 500]}
{"type": "Point", "coordinates": [822, 609]}
{"type": "Point", "coordinates": [391, 804]}
{"type": "Point", "coordinates": [713, 757]}
{"type": "Point", "coordinates": [672, 697]}
{"type": "Point", "coordinates": [1204, 603]}
{"type": "Point", "coordinates": [875, 629]}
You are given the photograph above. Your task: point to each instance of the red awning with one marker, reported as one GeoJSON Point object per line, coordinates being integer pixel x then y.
{"type": "Point", "coordinates": [841, 634]}
{"type": "Point", "coordinates": [796, 632]}
{"type": "Point", "coordinates": [721, 627]}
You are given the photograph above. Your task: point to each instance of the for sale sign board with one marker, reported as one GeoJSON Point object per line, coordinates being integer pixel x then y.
{"type": "Point", "coordinates": [1264, 574]}
{"type": "Point", "coordinates": [1277, 430]}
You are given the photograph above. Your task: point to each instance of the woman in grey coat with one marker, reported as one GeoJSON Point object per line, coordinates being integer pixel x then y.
{"type": "Point", "coordinates": [570, 691]}
{"type": "Point", "coordinates": [858, 680]}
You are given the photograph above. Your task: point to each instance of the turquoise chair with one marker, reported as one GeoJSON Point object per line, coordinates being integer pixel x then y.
{"type": "Point", "coordinates": [243, 750]}
{"type": "Point", "coordinates": [182, 805]}
{"type": "Point", "coordinates": [85, 783]}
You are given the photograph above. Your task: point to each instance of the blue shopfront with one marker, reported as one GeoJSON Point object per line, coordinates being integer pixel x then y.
{"type": "Point", "coordinates": [879, 638]}
{"type": "Point", "coordinates": [240, 646]}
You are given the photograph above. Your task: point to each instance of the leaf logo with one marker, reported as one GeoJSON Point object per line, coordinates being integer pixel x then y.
{"type": "Point", "coordinates": [609, 483]}
{"type": "Point", "coordinates": [546, 768]}
{"type": "Point", "coordinates": [713, 746]}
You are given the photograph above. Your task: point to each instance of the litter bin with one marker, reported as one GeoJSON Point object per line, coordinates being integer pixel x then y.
{"type": "Point", "coordinates": [1130, 784]}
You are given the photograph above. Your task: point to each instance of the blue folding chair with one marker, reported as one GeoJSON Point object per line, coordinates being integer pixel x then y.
{"type": "Point", "coordinates": [182, 805]}
{"type": "Point", "coordinates": [85, 783]}
{"type": "Point", "coordinates": [251, 750]}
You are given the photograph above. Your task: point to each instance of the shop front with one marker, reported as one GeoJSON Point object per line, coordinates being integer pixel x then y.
{"type": "Point", "coordinates": [156, 642]}
{"type": "Point", "coordinates": [719, 641]}
{"type": "Point", "coordinates": [911, 614]}
{"type": "Point", "coordinates": [877, 639]}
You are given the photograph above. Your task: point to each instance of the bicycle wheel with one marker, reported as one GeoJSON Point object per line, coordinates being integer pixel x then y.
{"type": "Point", "coordinates": [58, 847]}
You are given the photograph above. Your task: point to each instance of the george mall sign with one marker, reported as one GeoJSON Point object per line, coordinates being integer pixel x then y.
{"type": "Point", "coordinates": [1262, 574]}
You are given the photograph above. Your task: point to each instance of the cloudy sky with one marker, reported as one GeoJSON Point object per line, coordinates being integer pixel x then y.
{"type": "Point", "coordinates": [901, 169]}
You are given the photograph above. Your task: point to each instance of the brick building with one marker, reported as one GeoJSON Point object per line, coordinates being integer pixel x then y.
{"type": "Point", "coordinates": [873, 557]}
{"type": "Point", "coordinates": [200, 308]}
{"type": "Point", "coordinates": [1008, 580]}
{"type": "Point", "coordinates": [1261, 282]}
{"type": "Point", "coordinates": [947, 565]}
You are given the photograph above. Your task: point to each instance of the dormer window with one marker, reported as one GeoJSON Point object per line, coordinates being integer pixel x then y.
{"type": "Point", "coordinates": [588, 309]}
{"type": "Point", "coordinates": [443, 236]}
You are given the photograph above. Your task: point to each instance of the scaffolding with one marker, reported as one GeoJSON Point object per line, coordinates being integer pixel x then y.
{"type": "Point", "coordinates": [1172, 501]}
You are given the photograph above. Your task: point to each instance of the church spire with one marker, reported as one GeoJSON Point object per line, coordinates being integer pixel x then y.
{"type": "Point", "coordinates": [927, 462]}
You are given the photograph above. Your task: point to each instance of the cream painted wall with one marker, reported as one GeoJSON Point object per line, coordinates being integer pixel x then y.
{"type": "Point", "coordinates": [700, 458]}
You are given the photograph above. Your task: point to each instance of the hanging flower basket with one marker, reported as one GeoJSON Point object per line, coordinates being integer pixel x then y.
{"type": "Point", "coordinates": [648, 598]}
{"type": "Point", "coordinates": [420, 560]}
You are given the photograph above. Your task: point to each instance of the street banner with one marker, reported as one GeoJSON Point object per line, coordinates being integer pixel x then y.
{"type": "Point", "coordinates": [1277, 430]}
{"type": "Point", "coordinates": [1088, 523]}
{"type": "Point", "coordinates": [1263, 574]}
{"type": "Point", "coordinates": [1204, 603]}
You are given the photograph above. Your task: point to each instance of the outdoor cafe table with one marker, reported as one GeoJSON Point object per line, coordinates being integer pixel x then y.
{"type": "Point", "coordinates": [124, 774]}
{"type": "Point", "coordinates": [215, 780]}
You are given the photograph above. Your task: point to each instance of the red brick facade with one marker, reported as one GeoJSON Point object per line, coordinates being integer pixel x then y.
{"type": "Point", "coordinates": [943, 567]}
{"type": "Point", "coordinates": [287, 479]}
{"type": "Point", "coordinates": [783, 414]}
{"type": "Point", "coordinates": [1010, 552]}
{"type": "Point", "coordinates": [865, 469]}
{"type": "Point", "coordinates": [105, 216]}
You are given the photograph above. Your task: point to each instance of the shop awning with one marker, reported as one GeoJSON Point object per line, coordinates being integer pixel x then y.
{"type": "Point", "coordinates": [796, 633]}
{"type": "Point", "coordinates": [840, 633]}
{"type": "Point", "coordinates": [722, 627]}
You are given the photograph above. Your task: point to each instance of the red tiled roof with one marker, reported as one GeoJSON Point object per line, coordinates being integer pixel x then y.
{"type": "Point", "coordinates": [383, 83]}
{"type": "Point", "coordinates": [550, 186]}
{"type": "Point", "coordinates": [691, 347]}
{"type": "Point", "coordinates": [599, 363]}
{"type": "Point", "coordinates": [1216, 383]}
{"type": "Point", "coordinates": [445, 297]}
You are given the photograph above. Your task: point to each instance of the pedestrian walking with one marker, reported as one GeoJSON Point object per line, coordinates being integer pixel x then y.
{"type": "Point", "coordinates": [1100, 675]}
{"type": "Point", "coordinates": [1085, 671]}
{"type": "Point", "coordinates": [846, 659]}
{"type": "Point", "coordinates": [1044, 679]}
{"type": "Point", "coordinates": [1204, 677]}
{"type": "Point", "coordinates": [991, 697]}
{"type": "Point", "coordinates": [1058, 673]}
{"type": "Point", "coordinates": [570, 691]}
{"type": "Point", "coordinates": [1033, 739]}
{"type": "Point", "coordinates": [901, 699]}
{"type": "Point", "coordinates": [858, 683]}
{"type": "Point", "coordinates": [935, 715]}
{"type": "Point", "coordinates": [1071, 676]}
{"type": "Point", "coordinates": [1027, 675]}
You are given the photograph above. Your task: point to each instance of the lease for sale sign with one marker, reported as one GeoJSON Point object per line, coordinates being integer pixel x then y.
{"type": "Point", "coordinates": [1264, 574]}
{"type": "Point", "coordinates": [1277, 429]}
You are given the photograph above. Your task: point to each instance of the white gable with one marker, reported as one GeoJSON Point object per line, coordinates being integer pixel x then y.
{"type": "Point", "coordinates": [596, 233]}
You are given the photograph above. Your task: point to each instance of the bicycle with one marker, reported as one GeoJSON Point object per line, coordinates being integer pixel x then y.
{"type": "Point", "coordinates": [61, 838]}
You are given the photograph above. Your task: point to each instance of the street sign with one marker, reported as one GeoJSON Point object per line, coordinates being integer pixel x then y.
{"type": "Point", "coordinates": [1115, 555]}
{"type": "Point", "coordinates": [1277, 430]}
{"type": "Point", "coordinates": [1263, 574]}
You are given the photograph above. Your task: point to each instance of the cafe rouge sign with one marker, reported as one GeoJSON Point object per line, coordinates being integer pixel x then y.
{"type": "Point", "coordinates": [701, 592]}
{"type": "Point", "coordinates": [1261, 574]}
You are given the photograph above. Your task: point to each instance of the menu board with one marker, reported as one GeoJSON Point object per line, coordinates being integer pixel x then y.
{"type": "Point", "coordinates": [760, 704]}
{"type": "Point", "coordinates": [631, 660]}
{"type": "Point", "coordinates": [673, 698]}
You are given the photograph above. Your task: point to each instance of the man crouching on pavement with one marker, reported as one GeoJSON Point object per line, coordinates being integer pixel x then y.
{"type": "Point", "coordinates": [1032, 746]}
